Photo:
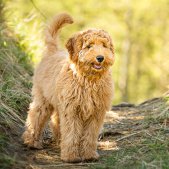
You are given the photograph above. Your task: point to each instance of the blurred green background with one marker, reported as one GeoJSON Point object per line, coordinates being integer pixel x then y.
{"type": "Point", "coordinates": [139, 29]}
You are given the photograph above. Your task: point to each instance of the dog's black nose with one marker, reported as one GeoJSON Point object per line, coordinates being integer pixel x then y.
{"type": "Point", "coordinates": [100, 58]}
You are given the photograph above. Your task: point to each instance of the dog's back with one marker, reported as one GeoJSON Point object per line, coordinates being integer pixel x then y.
{"type": "Point", "coordinates": [54, 58]}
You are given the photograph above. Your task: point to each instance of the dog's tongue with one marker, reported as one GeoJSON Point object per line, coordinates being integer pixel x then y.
{"type": "Point", "coordinates": [97, 67]}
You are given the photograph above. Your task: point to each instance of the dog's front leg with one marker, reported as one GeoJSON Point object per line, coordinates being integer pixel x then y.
{"type": "Point", "coordinates": [88, 148]}
{"type": "Point", "coordinates": [71, 130]}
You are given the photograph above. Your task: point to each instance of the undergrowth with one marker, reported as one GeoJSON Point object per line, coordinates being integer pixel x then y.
{"type": "Point", "coordinates": [15, 84]}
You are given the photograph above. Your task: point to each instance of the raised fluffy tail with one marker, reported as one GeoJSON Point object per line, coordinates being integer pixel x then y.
{"type": "Point", "coordinates": [52, 31]}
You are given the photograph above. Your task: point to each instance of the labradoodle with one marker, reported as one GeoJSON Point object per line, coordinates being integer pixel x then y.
{"type": "Point", "coordinates": [72, 89]}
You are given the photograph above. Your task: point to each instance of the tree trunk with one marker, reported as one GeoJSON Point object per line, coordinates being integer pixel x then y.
{"type": "Point", "coordinates": [124, 77]}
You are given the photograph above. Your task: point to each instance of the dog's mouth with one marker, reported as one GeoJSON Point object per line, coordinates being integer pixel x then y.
{"type": "Point", "coordinates": [97, 66]}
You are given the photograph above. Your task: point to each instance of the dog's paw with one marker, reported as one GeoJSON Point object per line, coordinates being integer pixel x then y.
{"type": "Point", "coordinates": [71, 160]}
{"type": "Point", "coordinates": [71, 157]}
{"type": "Point", "coordinates": [35, 145]}
{"type": "Point", "coordinates": [30, 142]}
{"type": "Point", "coordinates": [90, 157]}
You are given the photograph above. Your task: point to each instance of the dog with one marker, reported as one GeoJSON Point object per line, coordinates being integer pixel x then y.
{"type": "Point", "coordinates": [74, 89]}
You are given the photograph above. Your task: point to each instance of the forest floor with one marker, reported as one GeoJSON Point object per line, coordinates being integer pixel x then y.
{"type": "Point", "coordinates": [134, 136]}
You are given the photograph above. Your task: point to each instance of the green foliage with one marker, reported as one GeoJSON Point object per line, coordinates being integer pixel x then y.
{"type": "Point", "coordinates": [139, 30]}
{"type": "Point", "coordinates": [15, 79]}
{"type": "Point", "coordinates": [15, 84]}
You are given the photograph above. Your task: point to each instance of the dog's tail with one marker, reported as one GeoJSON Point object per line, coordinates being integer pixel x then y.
{"type": "Point", "coordinates": [52, 31]}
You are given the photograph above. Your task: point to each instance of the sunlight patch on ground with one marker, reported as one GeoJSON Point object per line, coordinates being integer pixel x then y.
{"type": "Point", "coordinates": [108, 145]}
{"type": "Point", "coordinates": [113, 116]}
{"type": "Point", "coordinates": [136, 118]}
{"type": "Point", "coordinates": [48, 158]}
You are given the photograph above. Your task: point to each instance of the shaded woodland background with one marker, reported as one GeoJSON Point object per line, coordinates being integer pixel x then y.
{"type": "Point", "coordinates": [139, 29]}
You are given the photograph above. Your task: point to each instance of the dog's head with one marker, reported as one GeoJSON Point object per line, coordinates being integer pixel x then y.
{"type": "Point", "coordinates": [91, 51]}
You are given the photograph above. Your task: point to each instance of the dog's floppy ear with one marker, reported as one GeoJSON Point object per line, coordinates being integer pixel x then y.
{"type": "Point", "coordinates": [70, 47]}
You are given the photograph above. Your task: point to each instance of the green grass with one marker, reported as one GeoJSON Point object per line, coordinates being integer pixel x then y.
{"type": "Point", "coordinates": [15, 85]}
{"type": "Point", "coordinates": [15, 80]}
{"type": "Point", "coordinates": [149, 149]}
{"type": "Point", "coordinates": [164, 114]}
{"type": "Point", "coordinates": [150, 153]}
{"type": "Point", "coordinates": [5, 160]}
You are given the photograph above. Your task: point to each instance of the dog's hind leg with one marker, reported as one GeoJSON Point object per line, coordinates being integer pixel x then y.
{"type": "Point", "coordinates": [38, 115]}
{"type": "Point", "coordinates": [54, 125]}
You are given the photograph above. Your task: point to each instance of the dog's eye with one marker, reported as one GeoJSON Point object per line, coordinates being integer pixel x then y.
{"type": "Point", "coordinates": [89, 46]}
{"type": "Point", "coordinates": [104, 45]}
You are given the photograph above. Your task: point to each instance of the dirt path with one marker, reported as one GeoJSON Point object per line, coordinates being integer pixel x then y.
{"type": "Point", "coordinates": [122, 125]}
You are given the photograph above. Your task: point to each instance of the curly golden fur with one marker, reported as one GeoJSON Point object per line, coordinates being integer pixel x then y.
{"type": "Point", "coordinates": [73, 90]}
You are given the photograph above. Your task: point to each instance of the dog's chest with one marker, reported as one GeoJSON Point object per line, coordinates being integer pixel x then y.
{"type": "Point", "coordinates": [85, 99]}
